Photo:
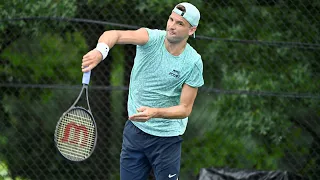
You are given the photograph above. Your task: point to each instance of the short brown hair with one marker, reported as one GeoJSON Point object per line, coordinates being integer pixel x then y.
{"type": "Point", "coordinates": [181, 8]}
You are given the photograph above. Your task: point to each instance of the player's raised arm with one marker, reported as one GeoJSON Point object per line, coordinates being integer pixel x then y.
{"type": "Point", "coordinates": [136, 37]}
{"type": "Point", "coordinates": [107, 40]}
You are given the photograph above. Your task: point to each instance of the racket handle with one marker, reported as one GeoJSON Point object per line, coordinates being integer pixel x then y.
{"type": "Point", "coordinates": [86, 77]}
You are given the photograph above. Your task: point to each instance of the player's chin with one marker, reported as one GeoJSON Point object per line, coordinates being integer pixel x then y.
{"type": "Point", "coordinates": [172, 39]}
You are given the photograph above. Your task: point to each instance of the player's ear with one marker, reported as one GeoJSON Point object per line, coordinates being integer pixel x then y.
{"type": "Point", "coordinates": [192, 30]}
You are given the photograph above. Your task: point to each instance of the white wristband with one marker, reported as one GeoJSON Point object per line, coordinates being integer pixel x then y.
{"type": "Point", "coordinates": [103, 49]}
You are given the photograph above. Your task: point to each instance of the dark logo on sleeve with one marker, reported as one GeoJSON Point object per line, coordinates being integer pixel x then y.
{"type": "Point", "coordinates": [175, 73]}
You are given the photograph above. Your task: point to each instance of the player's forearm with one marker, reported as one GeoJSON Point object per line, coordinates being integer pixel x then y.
{"type": "Point", "coordinates": [110, 38]}
{"type": "Point", "coordinates": [135, 37]}
{"type": "Point", "coordinates": [174, 112]}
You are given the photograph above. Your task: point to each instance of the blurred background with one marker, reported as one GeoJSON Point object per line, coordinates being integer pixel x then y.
{"type": "Point", "coordinates": [259, 108]}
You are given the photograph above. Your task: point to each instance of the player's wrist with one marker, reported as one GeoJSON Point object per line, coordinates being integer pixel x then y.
{"type": "Point", "coordinates": [103, 48]}
{"type": "Point", "coordinates": [156, 113]}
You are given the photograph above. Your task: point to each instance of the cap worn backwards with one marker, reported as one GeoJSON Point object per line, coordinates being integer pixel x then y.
{"type": "Point", "coordinates": [192, 14]}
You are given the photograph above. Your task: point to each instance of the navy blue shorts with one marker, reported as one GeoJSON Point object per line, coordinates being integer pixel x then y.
{"type": "Point", "coordinates": [142, 152]}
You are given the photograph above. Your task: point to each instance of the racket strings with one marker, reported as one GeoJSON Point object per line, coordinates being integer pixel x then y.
{"type": "Point", "coordinates": [76, 134]}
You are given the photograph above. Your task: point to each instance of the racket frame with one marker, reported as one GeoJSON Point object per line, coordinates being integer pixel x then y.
{"type": "Point", "coordinates": [73, 106]}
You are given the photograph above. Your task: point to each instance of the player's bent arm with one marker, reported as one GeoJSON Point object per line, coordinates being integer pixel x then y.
{"type": "Point", "coordinates": [107, 40]}
{"type": "Point", "coordinates": [184, 109]}
{"type": "Point", "coordinates": [135, 37]}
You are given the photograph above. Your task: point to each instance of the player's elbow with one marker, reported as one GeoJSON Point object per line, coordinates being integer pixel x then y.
{"type": "Point", "coordinates": [186, 111]}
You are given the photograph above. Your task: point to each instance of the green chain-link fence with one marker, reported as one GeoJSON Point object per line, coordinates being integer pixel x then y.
{"type": "Point", "coordinates": [259, 108]}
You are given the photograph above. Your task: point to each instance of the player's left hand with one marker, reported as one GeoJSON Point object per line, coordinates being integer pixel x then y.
{"type": "Point", "coordinates": [144, 114]}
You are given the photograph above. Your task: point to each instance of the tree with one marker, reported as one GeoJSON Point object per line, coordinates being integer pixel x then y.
{"type": "Point", "coordinates": [258, 83]}
{"type": "Point", "coordinates": [258, 103]}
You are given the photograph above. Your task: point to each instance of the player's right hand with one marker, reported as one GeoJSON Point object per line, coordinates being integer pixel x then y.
{"type": "Point", "coordinates": [91, 60]}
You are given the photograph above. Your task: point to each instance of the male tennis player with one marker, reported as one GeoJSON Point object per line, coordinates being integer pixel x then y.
{"type": "Point", "coordinates": [164, 82]}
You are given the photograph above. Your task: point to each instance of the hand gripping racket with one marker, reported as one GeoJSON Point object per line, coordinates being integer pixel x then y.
{"type": "Point", "coordinates": [76, 131]}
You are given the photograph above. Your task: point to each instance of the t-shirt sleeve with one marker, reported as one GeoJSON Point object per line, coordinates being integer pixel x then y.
{"type": "Point", "coordinates": [154, 35]}
{"type": "Point", "coordinates": [195, 78]}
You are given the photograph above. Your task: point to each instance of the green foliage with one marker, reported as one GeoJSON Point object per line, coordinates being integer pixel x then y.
{"type": "Point", "coordinates": [241, 130]}
{"type": "Point", "coordinates": [214, 151]}
{"type": "Point", "coordinates": [254, 68]}
{"type": "Point", "coordinates": [273, 69]}
{"type": "Point", "coordinates": [47, 59]}
{"type": "Point", "coordinates": [225, 147]}
{"type": "Point", "coordinates": [50, 59]}
{"type": "Point", "coordinates": [33, 8]}
{"type": "Point", "coordinates": [5, 174]}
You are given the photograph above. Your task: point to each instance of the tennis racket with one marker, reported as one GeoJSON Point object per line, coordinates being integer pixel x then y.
{"type": "Point", "coordinates": [76, 131]}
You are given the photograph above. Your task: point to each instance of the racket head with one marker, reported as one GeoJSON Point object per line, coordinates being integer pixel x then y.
{"type": "Point", "coordinates": [76, 134]}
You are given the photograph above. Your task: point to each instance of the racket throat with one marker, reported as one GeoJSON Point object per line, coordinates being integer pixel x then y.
{"type": "Point", "coordinates": [83, 90]}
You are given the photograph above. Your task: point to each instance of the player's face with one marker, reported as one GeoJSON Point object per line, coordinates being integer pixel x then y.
{"type": "Point", "coordinates": [178, 28]}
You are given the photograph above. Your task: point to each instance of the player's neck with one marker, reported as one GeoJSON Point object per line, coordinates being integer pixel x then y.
{"type": "Point", "coordinates": [175, 48]}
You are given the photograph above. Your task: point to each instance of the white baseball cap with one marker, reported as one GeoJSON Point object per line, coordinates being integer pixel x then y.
{"type": "Point", "coordinates": [192, 14]}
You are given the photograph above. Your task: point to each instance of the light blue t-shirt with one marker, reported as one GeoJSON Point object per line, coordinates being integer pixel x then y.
{"type": "Point", "coordinates": [156, 80]}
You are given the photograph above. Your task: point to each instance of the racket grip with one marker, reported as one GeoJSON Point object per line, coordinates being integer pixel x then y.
{"type": "Point", "coordinates": [86, 77]}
